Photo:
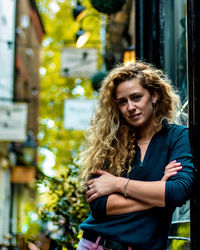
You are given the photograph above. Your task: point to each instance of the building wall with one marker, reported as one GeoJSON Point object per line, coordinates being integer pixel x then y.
{"type": "Point", "coordinates": [119, 34]}
{"type": "Point", "coordinates": [19, 82]}
{"type": "Point", "coordinates": [7, 47]}
{"type": "Point", "coordinates": [28, 39]}
{"type": "Point", "coordinates": [5, 193]}
{"type": "Point", "coordinates": [161, 40]}
{"type": "Point", "coordinates": [27, 62]}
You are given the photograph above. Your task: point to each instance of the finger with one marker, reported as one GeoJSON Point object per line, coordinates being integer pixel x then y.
{"type": "Point", "coordinates": [92, 197]}
{"type": "Point", "coordinates": [173, 169]}
{"type": "Point", "coordinates": [168, 175]}
{"type": "Point", "coordinates": [90, 192]}
{"type": "Point", "coordinates": [88, 187]}
{"type": "Point", "coordinates": [89, 182]}
{"type": "Point", "coordinates": [177, 164]}
{"type": "Point", "coordinates": [171, 174]}
{"type": "Point", "coordinates": [169, 165]}
{"type": "Point", "coordinates": [99, 172]}
{"type": "Point", "coordinates": [172, 165]}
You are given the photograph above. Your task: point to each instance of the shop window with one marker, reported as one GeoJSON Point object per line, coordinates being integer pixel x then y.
{"type": "Point", "coordinates": [175, 66]}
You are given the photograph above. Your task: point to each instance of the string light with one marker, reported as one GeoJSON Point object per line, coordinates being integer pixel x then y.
{"type": "Point", "coordinates": [70, 43]}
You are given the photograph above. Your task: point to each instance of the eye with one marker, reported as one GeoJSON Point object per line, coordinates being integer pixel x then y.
{"type": "Point", "coordinates": [122, 102]}
{"type": "Point", "coordinates": [136, 97]}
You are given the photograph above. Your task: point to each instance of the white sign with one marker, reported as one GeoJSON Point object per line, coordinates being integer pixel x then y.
{"type": "Point", "coordinates": [7, 48]}
{"type": "Point", "coordinates": [13, 121]}
{"type": "Point", "coordinates": [78, 113]}
{"type": "Point", "coordinates": [78, 62]}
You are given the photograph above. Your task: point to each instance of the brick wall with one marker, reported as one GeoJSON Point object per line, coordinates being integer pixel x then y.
{"type": "Point", "coordinates": [28, 42]}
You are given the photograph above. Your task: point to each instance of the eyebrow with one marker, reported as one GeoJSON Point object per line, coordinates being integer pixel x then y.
{"type": "Point", "coordinates": [123, 97]}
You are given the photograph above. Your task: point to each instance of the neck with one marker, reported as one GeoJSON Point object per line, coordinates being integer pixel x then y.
{"type": "Point", "coordinates": [145, 135]}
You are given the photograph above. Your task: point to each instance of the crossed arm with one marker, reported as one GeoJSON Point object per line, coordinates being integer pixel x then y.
{"type": "Point", "coordinates": [142, 195]}
{"type": "Point", "coordinates": [118, 204]}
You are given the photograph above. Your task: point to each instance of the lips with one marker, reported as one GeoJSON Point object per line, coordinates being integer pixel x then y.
{"type": "Point", "coordinates": [134, 116]}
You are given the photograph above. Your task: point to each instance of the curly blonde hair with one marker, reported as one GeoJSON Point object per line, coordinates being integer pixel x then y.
{"type": "Point", "coordinates": [110, 140]}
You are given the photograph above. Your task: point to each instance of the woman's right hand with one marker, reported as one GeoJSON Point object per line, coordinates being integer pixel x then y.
{"type": "Point", "coordinates": [171, 169]}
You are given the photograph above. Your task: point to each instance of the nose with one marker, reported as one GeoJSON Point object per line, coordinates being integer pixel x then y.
{"type": "Point", "coordinates": [131, 105]}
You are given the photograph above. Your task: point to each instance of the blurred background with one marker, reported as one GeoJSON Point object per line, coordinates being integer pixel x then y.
{"type": "Point", "coordinates": [53, 56]}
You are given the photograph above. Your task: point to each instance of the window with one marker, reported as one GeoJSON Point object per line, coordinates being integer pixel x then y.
{"type": "Point", "coordinates": [175, 66]}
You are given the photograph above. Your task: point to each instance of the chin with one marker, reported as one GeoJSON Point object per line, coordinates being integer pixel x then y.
{"type": "Point", "coordinates": [136, 124]}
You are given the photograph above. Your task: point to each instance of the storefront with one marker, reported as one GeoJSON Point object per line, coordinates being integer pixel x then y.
{"type": "Point", "coordinates": [167, 35]}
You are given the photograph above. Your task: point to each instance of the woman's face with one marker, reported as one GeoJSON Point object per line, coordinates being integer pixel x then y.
{"type": "Point", "coordinates": [135, 103]}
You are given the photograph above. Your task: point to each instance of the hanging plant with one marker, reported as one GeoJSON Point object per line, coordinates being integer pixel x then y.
{"type": "Point", "coordinates": [97, 79]}
{"type": "Point", "coordinates": [108, 6]}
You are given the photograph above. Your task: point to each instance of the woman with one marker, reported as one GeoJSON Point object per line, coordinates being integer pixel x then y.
{"type": "Point", "coordinates": [132, 141]}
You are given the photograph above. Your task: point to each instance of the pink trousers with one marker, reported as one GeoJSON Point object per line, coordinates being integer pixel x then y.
{"type": "Point", "coordinates": [89, 245]}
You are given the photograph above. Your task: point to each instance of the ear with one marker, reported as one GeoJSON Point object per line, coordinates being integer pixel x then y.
{"type": "Point", "coordinates": [154, 97]}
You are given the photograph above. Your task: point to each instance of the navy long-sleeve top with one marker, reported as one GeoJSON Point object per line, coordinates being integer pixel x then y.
{"type": "Point", "coordinates": [149, 229]}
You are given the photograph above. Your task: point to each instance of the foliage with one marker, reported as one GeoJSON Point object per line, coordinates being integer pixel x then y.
{"type": "Point", "coordinates": [63, 207]}
{"type": "Point", "coordinates": [108, 6]}
{"type": "Point", "coordinates": [31, 225]}
{"type": "Point", "coordinates": [182, 231]}
{"type": "Point", "coordinates": [68, 209]}
{"type": "Point", "coordinates": [179, 244]}
{"type": "Point", "coordinates": [97, 79]}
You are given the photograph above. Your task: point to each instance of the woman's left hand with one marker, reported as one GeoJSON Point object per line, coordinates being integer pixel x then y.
{"type": "Point", "coordinates": [171, 169]}
{"type": "Point", "coordinates": [105, 184]}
